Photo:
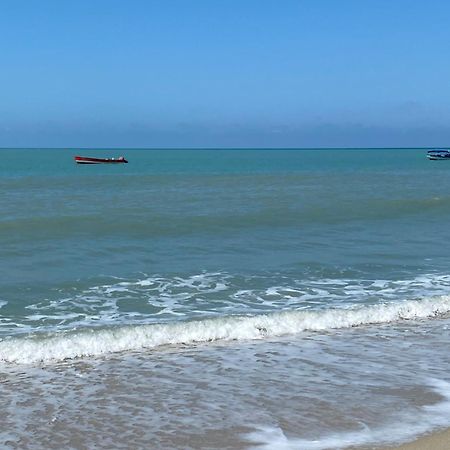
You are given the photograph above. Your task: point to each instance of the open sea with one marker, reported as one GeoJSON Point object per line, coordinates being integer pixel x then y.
{"type": "Point", "coordinates": [223, 299]}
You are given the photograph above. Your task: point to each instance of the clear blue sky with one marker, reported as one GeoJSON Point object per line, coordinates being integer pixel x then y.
{"type": "Point", "coordinates": [220, 73]}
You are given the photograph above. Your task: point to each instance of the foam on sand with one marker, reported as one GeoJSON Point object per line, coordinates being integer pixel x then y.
{"type": "Point", "coordinates": [398, 429]}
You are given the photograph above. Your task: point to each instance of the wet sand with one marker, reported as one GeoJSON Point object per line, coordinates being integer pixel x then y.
{"type": "Point", "coordinates": [435, 441]}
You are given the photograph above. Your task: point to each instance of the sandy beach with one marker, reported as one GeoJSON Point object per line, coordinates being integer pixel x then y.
{"type": "Point", "coordinates": [435, 441]}
{"type": "Point", "coordinates": [224, 225]}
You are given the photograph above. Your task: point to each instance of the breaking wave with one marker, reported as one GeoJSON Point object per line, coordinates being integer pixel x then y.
{"type": "Point", "coordinates": [34, 348]}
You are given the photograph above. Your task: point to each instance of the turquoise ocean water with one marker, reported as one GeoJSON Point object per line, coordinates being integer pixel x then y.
{"type": "Point", "coordinates": [308, 289]}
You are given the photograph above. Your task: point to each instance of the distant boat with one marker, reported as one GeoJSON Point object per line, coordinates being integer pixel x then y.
{"type": "Point", "coordinates": [87, 160]}
{"type": "Point", "coordinates": [437, 155]}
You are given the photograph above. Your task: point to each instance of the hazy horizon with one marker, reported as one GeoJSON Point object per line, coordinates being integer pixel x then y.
{"type": "Point", "coordinates": [205, 74]}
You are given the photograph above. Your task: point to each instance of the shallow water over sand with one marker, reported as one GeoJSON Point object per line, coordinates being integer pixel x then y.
{"type": "Point", "coordinates": [353, 386]}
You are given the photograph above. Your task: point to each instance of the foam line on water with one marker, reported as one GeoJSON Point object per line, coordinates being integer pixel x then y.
{"type": "Point", "coordinates": [98, 341]}
{"type": "Point", "coordinates": [151, 299]}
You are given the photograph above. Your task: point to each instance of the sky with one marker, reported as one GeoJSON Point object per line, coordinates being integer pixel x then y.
{"type": "Point", "coordinates": [224, 73]}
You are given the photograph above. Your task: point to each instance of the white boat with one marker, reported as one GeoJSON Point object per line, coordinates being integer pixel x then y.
{"type": "Point", "coordinates": [438, 154]}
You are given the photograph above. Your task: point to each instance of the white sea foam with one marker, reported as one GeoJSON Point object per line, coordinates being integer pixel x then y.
{"type": "Point", "coordinates": [150, 299]}
{"type": "Point", "coordinates": [97, 341]}
{"type": "Point", "coordinates": [399, 429]}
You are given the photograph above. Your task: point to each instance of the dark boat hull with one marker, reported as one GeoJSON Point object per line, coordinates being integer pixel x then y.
{"type": "Point", "coordinates": [87, 160]}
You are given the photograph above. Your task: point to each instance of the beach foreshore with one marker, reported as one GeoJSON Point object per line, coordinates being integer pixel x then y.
{"type": "Point", "coordinates": [435, 441]}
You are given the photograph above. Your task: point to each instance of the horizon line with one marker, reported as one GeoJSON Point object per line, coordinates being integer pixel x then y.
{"type": "Point", "coordinates": [222, 148]}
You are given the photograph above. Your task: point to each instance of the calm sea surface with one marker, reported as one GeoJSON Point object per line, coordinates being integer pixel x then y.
{"type": "Point", "coordinates": [278, 299]}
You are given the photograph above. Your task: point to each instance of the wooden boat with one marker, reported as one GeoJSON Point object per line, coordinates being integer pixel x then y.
{"type": "Point", "coordinates": [87, 160]}
{"type": "Point", "coordinates": [438, 155]}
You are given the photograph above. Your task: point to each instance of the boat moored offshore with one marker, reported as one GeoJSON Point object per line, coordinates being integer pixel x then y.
{"type": "Point", "coordinates": [438, 154]}
{"type": "Point", "coordinates": [88, 160]}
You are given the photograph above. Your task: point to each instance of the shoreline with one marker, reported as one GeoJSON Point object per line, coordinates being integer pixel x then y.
{"type": "Point", "coordinates": [438, 440]}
